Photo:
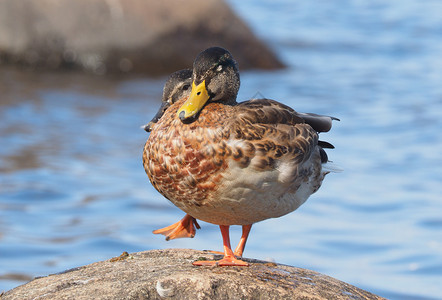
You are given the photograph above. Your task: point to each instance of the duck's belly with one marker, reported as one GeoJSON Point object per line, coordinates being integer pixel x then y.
{"type": "Point", "coordinates": [246, 197]}
{"type": "Point", "coordinates": [248, 209]}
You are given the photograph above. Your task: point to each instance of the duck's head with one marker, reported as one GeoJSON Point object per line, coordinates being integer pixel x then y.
{"type": "Point", "coordinates": [215, 79]}
{"type": "Point", "coordinates": [177, 87]}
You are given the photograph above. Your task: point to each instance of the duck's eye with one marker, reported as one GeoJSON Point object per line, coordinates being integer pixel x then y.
{"type": "Point", "coordinates": [219, 68]}
{"type": "Point", "coordinates": [186, 87]}
{"type": "Point", "coordinates": [199, 93]}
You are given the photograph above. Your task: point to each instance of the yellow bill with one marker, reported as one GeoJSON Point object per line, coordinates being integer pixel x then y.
{"type": "Point", "coordinates": [198, 97]}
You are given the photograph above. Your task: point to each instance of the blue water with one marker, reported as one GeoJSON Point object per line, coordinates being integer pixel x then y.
{"type": "Point", "coordinates": [73, 190]}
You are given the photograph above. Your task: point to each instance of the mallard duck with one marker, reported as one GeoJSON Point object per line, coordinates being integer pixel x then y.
{"type": "Point", "coordinates": [230, 163]}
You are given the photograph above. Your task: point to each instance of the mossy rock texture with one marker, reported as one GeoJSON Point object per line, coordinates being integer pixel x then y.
{"type": "Point", "coordinates": [169, 274]}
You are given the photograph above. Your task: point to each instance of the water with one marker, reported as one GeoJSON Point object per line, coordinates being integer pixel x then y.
{"type": "Point", "coordinates": [73, 190]}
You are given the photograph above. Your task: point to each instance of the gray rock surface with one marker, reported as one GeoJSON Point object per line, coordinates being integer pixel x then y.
{"type": "Point", "coordinates": [169, 274]}
{"type": "Point", "coordinates": [108, 36]}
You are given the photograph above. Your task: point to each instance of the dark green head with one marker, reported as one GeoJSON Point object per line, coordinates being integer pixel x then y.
{"type": "Point", "coordinates": [215, 79]}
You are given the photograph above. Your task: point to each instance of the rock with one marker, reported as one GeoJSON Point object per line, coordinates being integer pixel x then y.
{"type": "Point", "coordinates": [108, 36]}
{"type": "Point", "coordinates": [161, 274]}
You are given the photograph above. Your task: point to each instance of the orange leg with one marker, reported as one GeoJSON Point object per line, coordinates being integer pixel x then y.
{"type": "Point", "coordinates": [181, 229]}
{"type": "Point", "coordinates": [242, 242]}
{"type": "Point", "coordinates": [229, 258]}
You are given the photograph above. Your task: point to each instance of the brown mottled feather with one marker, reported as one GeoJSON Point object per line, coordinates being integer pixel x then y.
{"type": "Point", "coordinates": [187, 163]}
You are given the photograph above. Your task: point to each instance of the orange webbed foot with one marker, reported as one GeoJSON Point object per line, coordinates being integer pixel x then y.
{"type": "Point", "coordinates": [229, 258]}
{"type": "Point", "coordinates": [185, 228]}
{"type": "Point", "coordinates": [225, 261]}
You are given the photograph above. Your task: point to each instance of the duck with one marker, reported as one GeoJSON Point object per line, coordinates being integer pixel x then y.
{"type": "Point", "coordinates": [232, 163]}
{"type": "Point", "coordinates": [177, 86]}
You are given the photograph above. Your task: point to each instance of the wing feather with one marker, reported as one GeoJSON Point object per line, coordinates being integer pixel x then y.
{"type": "Point", "coordinates": [275, 131]}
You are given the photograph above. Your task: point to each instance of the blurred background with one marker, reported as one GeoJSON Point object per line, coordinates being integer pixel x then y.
{"type": "Point", "coordinates": [74, 93]}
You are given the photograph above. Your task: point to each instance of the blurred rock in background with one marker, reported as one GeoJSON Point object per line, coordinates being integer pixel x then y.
{"type": "Point", "coordinates": [112, 36]}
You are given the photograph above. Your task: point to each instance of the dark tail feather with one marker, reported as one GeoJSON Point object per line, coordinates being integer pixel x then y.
{"type": "Point", "coordinates": [326, 145]}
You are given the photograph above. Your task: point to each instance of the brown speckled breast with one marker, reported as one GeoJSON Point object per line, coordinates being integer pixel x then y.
{"type": "Point", "coordinates": [184, 162]}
